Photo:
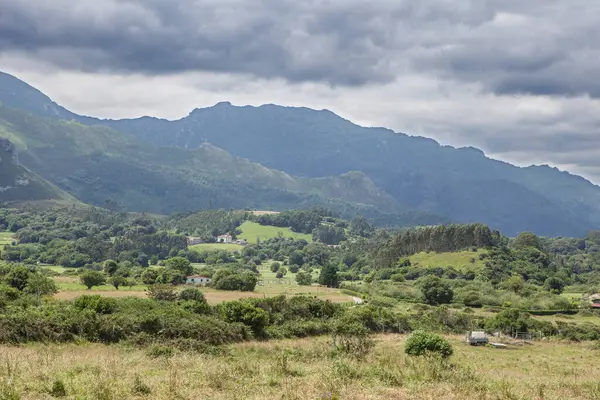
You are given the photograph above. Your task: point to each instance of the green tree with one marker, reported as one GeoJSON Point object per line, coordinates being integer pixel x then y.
{"type": "Point", "coordinates": [149, 276]}
{"type": "Point", "coordinates": [554, 285]}
{"type": "Point", "coordinates": [92, 278]}
{"type": "Point", "coordinates": [328, 276]}
{"type": "Point", "coordinates": [281, 273]}
{"type": "Point", "coordinates": [180, 264]}
{"type": "Point", "coordinates": [117, 281]}
{"type": "Point", "coordinates": [359, 226]}
{"type": "Point", "coordinates": [275, 267]}
{"type": "Point", "coordinates": [297, 258]}
{"type": "Point", "coordinates": [110, 267]}
{"type": "Point", "coordinates": [435, 291]}
{"type": "Point", "coordinates": [192, 294]}
{"type": "Point", "coordinates": [246, 313]}
{"type": "Point", "coordinates": [17, 277]}
{"type": "Point", "coordinates": [527, 239]}
{"type": "Point", "coordinates": [40, 285]}
{"type": "Point", "coordinates": [162, 292]}
{"type": "Point", "coordinates": [421, 343]}
{"type": "Point", "coordinates": [515, 283]}
{"type": "Point", "coordinates": [304, 278]}
{"type": "Point", "coordinates": [294, 268]}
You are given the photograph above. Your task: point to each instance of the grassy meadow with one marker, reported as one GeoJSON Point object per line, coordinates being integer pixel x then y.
{"type": "Point", "coordinates": [6, 238]}
{"type": "Point", "coordinates": [231, 247]}
{"type": "Point", "coordinates": [251, 231]}
{"type": "Point", "coordinates": [301, 369]}
{"type": "Point", "coordinates": [458, 259]}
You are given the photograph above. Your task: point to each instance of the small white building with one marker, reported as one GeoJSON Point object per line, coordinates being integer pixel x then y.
{"type": "Point", "coordinates": [243, 242]}
{"type": "Point", "coordinates": [227, 238]}
{"type": "Point", "coordinates": [197, 280]}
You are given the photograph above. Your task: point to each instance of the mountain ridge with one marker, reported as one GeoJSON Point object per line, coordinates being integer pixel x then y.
{"type": "Point", "coordinates": [99, 165]}
{"type": "Point", "coordinates": [462, 184]}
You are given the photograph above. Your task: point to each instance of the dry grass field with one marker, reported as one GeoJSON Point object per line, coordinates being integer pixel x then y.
{"type": "Point", "coordinates": [301, 369]}
{"type": "Point", "coordinates": [70, 288]}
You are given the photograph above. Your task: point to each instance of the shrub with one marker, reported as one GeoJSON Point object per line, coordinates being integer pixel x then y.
{"type": "Point", "coordinates": [294, 268]}
{"type": "Point", "coordinates": [58, 389]}
{"type": "Point", "coordinates": [275, 267]}
{"type": "Point", "coordinates": [158, 350]}
{"type": "Point", "coordinates": [98, 304]}
{"type": "Point", "coordinates": [92, 278]}
{"type": "Point", "coordinates": [140, 388]}
{"type": "Point", "coordinates": [162, 292]}
{"type": "Point", "coordinates": [304, 278]}
{"type": "Point", "coordinates": [421, 343]}
{"type": "Point", "coordinates": [435, 291]}
{"type": "Point", "coordinates": [192, 294]}
{"type": "Point", "coordinates": [351, 338]}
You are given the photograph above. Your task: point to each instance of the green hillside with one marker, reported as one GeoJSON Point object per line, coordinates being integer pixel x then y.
{"type": "Point", "coordinates": [251, 231]}
{"type": "Point", "coordinates": [18, 183]}
{"type": "Point", "coordinates": [5, 238]}
{"type": "Point", "coordinates": [458, 259]}
{"type": "Point", "coordinates": [103, 167]}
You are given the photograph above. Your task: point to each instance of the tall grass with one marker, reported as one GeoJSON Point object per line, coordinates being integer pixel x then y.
{"type": "Point", "coordinates": [299, 369]}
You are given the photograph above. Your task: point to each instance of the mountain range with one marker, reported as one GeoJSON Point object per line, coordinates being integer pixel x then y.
{"type": "Point", "coordinates": [285, 157]}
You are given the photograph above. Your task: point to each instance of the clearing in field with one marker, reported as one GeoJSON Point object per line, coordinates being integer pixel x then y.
{"type": "Point", "coordinates": [303, 369]}
{"type": "Point", "coordinates": [6, 238]}
{"type": "Point", "coordinates": [459, 259]}
{"type": "Point", "coordinates": [251, 231]}
{"type": "Point", "coordinates": [70, 288]}
{"type": "Point", "coordinates": [231, 247]}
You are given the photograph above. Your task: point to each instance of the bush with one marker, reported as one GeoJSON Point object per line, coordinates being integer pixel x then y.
{"type": "Point", "coordinates": [162, 292]}
{"type": "Point", "coordinates": [304, 278]}
{"type": "Point", "coordinates": [435, 291]}
{"type": "Point", "coordinates": [351, 338]}
{"type": "Point", "coordinates": [92, 278]}
{"type": "Point", "coordinates": [192, 294]}
{"type": "Point", "coordinates": [98, 304]}
{"type": "Point", "coordinates": [275, 267]}
{"type": "Point", "coordinates": [58, 389]}
{"type": "Point", "coordinates": [421, 343]}
{"type": "Point", "coordinates": [294, 268]}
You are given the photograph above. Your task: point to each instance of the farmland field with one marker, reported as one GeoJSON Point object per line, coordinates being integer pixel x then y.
{"type": "Point", "coordinates": [70, 288]}
{"type": "Point", "coordinates": [5, 238]}
{"type": "Point", "coordinates": [458, 259]}
{"type": "Point", "coordinates": [251, 231]}
{"type": "Point", "coordinates": [303, 369]}
{"type": "Point", "coordinates": [217, 246]}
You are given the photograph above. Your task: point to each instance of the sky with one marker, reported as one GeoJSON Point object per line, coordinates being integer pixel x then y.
{"type": "Point", "coordinates": [518, 79]}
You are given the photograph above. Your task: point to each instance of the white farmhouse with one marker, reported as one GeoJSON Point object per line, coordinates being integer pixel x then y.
{"type": "Point", "coordinates": [225, 238]}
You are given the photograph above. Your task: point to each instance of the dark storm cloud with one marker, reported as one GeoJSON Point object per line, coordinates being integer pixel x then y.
{"type": "Point", "coordinates": [546, 47]}
{"type": "Point", "coordinates": [340, 42]}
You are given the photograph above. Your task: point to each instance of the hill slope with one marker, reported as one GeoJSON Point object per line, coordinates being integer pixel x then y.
{"type": "Point", "coordinates": [104, 167]}
{"type": "Point", "coordinates": [462, 184]}
{"type": "Point", "coordinates": [417, 173]}
{"type": "Point", "coordinates": [17, 183]}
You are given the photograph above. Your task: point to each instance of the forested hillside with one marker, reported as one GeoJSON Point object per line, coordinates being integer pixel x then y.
{"type": "Point", "coordinates": [103, 167]}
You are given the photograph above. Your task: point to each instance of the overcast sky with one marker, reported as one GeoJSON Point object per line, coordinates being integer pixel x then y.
{"type": "Point", "coordinates": [516, 78]}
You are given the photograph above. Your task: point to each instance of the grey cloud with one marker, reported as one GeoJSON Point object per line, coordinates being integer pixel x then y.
{"type": "Point", "coordinates": [346, 42]}
{"type": "Point", "coordinates": [546, 47]}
